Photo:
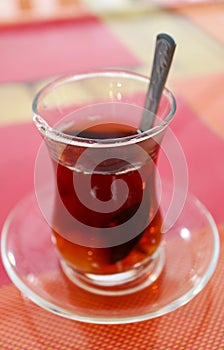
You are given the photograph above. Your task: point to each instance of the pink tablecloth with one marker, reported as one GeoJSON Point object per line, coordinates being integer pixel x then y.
{"type": "Point", "coordinates": [32, 54]}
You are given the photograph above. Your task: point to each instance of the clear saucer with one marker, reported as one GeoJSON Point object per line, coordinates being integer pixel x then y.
{"type": "Point", "coordinates": [191, 251]}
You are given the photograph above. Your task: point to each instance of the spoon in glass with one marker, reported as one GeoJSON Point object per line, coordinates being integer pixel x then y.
{"type": "Point", "coordinates": [165, 47]}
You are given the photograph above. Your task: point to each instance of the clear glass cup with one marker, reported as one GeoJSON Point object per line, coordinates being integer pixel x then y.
{"type": "Point", "coordinates": [105, 217]}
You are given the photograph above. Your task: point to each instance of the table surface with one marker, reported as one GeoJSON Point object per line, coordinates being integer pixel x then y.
{"type": "Point", "coordinates": [39, 42]}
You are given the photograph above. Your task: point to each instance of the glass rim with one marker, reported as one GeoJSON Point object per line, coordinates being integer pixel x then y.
{"type": "Point", "coordinates": [57, 135]}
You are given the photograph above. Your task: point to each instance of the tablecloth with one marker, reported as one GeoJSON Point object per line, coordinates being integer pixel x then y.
{"type": "Point", "coordinates": [37, 45]}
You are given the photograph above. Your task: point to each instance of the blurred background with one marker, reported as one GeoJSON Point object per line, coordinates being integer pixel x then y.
{"type": "Point", "coordinates": [26, 11]}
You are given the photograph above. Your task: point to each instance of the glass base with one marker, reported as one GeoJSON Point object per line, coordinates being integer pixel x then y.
{"type": "Point", "coordinates": [121, 283]}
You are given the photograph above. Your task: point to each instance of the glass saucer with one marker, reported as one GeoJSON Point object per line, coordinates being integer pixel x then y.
{"type": "Point", "coordinates": [191, 251]}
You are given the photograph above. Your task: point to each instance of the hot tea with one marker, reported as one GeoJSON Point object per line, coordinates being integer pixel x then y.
{"type": "Point", "coordinates": [139, 177]}
{"type": "Point", "coordinates": [103, 207]}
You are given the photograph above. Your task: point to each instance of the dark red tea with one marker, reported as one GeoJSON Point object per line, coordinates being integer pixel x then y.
{"type": "Point", "coordinates": [139, 179]}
